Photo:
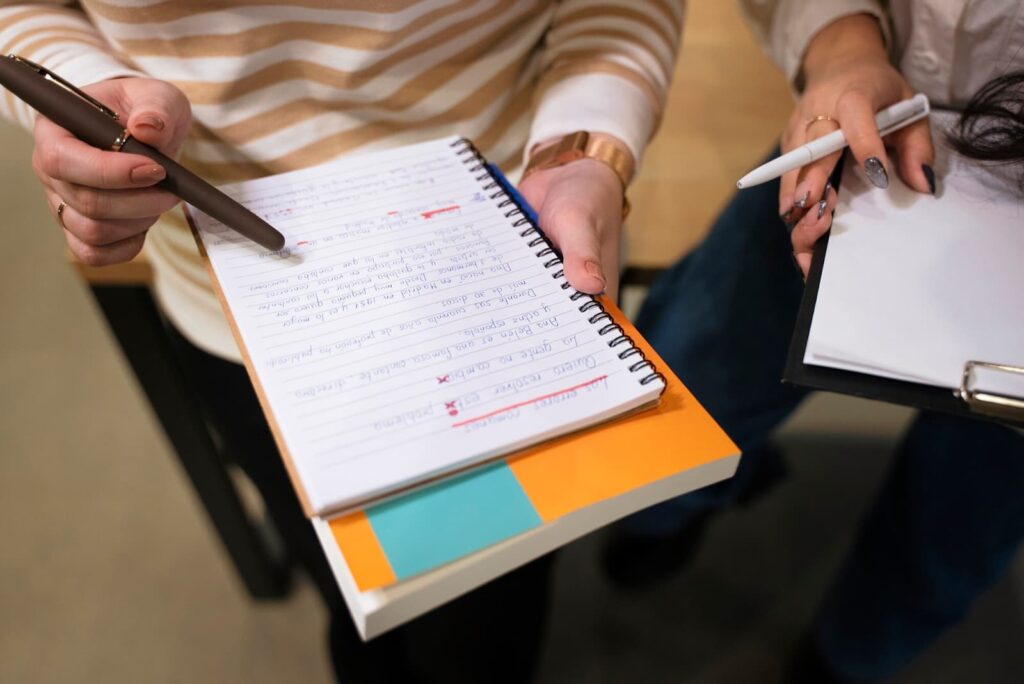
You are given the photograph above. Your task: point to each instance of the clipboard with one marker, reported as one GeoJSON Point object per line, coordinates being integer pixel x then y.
{"type": "Point", "coordinates": [965, 401]}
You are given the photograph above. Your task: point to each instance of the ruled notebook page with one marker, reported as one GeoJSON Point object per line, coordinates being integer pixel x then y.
{"type": "Point", "coordinates": [408, 329]}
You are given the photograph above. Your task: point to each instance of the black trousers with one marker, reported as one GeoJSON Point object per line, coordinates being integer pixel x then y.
{"type": "Point", "coordinates": [491, 634]}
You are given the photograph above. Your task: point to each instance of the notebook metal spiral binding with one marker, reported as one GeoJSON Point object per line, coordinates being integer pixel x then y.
{"type": "Point", "coordinates": [538, 239]}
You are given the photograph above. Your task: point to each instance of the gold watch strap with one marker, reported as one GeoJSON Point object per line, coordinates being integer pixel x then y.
{"type": "Point", "coordinates": [614, 155]}
{"type": "Point", "coordinates": [580, 145]}
{"type": "Point", "coordinates": [570, 148]}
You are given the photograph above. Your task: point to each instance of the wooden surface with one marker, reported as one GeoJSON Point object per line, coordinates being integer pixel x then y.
{"type": "Point", "coordinates": [725, 110]}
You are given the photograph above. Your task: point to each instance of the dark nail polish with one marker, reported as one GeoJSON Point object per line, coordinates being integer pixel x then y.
{"type": "Point", "coordinates": [875, 171]}
{"type": "Point", "coordinates": [929, 173]}
{"type": "Point", "coordinates": [802, 202]}
{"type": "Point", "coordinates": [822, 206]}
{"type": "Point", "coordinates": [785, 216]}
{"type": "Point", "coordinates": [828, 186]}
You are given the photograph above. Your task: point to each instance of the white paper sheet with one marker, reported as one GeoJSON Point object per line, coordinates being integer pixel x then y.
{"type": "Point", "coordinates": [409, 329]}
{"type": "Point", "coordinates": [914, 286]}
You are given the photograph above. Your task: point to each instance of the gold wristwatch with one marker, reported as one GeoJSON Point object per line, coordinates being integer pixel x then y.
{"type": "Point", "coordinates": [581, 145]}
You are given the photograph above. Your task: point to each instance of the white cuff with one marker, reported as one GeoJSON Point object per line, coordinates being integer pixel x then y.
{"type": "Point", "coordinates": [796, 22]}
{"type": "Point", "coordinates": [597, 103]}
{"type": "Point", "coordinates": [92, 66]}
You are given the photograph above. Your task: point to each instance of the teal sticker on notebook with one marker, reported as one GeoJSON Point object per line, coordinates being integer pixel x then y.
{"type": "Point", "coordinates": [457, 516]}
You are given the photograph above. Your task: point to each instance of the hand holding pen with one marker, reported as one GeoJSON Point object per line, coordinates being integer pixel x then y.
{"type": "Point", "coordinates": [106, 200]}
{"type": "Point", "coordinates": [109, 171]}
{"type": "Point", "coordinates": [848, 80]}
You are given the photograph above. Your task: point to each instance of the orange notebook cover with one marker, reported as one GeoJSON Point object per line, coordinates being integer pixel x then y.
{"type": "Point", "coordinates": [558, 478]}
{"type": "Point", "coordinates": [439, 536]}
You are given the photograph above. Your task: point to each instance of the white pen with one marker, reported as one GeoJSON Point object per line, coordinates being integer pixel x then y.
{"type": "Point", "coordinates": [888, 120]}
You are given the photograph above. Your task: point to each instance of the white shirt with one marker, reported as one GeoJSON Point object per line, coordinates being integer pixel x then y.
{"type": "Point", "coordinates": [946, 49]}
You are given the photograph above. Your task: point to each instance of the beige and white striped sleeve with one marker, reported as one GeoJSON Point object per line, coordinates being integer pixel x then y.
{"type": "Point", "coordinates": [607, 65]}
{"type": "Point", "coordinates": [60, 38]}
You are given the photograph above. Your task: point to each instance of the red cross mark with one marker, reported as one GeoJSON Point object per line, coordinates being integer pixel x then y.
{"type": "Point", "coordinates": [450, 406]}
{"type": "Point", "coordinates": [441, 379]}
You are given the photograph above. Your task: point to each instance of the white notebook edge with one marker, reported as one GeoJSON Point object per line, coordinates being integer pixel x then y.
{"type": "Point", "coordinates": [381, 610]}
{"type": "Point", "coordinates": [597, 420]}
{"type": "Point", "coordinates": [301, 493]}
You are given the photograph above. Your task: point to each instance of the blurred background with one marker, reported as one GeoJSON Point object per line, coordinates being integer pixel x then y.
{"type": "Point", "coordinates": [110, 570]}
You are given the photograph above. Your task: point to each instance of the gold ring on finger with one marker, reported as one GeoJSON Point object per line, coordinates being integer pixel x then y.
{"type": "Point", "coordinates": [816, 119]}
{"type": "Point", "coordinates": [60, 214]}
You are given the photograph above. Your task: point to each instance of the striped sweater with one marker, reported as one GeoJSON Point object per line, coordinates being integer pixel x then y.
{"type": "Point", "coordinates": [280, 86]}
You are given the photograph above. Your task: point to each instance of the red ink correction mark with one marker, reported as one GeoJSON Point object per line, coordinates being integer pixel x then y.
{"type": "Point", "coordinates": [392, 213]}
{"type": "Point", "coordinates": [531, 401]}
{"type": "Point", "coordinates": [435, 212]}
{"type": "Point", "coordinates": [450, 407]}
{"type": "Point", "coordinates": [301, 242]}
{"type": "Point", "coordinates": [441, 379]}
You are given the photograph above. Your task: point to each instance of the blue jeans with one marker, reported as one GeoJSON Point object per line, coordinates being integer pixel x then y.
{"type": "Point", "coordinates": [950, 515]}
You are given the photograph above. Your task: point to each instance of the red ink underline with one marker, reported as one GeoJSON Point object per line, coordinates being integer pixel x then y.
{"type": "Point", "coordinates": [531, 401]}
{"type": "Point", "coordinates": [432, 212]}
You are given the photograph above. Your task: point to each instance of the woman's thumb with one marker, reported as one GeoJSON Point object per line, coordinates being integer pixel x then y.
{"type": "Point", "coordinates": [159, 115]}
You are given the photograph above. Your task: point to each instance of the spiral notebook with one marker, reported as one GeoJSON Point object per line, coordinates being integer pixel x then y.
{"type": "Point", "coordinates": [417, 323]}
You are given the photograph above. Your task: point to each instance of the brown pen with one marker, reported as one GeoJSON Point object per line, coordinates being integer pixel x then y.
{"type": "Point", "coordinates": [93, 123]}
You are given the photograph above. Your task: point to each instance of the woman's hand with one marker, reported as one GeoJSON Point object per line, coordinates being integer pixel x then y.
{"type": "Point", "coordinates": [848, 79]}
{"type": "Point", "coordinates": [579, 206]}
{"type": "Point", "coordinates": [105, 200]}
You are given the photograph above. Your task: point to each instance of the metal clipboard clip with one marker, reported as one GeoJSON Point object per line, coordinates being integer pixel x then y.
{"type": "Point", "coordinates": [990, 403]}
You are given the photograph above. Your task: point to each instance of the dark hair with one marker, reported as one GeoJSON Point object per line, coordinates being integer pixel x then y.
{"type": "Point", "coordinates": [991, 127]}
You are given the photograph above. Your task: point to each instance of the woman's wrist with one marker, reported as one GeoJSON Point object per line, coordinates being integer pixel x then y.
{"type": "Point", "coordinates": [593, 137]}
{"type": "Point", "coordinates": [853, 39]}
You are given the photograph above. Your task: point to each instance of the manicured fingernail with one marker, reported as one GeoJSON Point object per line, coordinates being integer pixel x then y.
{"type": "Point", "coordinates": [151, 120]}
{"type": "Point", "coordinates": [785, 215]}
{"type": "Point", "coordinates": [929, 174]}
{"type": "Point", "coordinates": [802, 202]}
{"type": "Point", "coordinates": [148, 174]}
{"type": "Point", "coordinates": [822, 206]}
{"type": "Point", "coordinates": [828, 186]}
{"type": "Point", "coordinates": [875, 171]}
{"type": "Point", "coordinates": [594, 269]}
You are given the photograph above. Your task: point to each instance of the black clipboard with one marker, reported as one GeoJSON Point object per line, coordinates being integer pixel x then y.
{"type": "Point", "coordinates": [960, 402]}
